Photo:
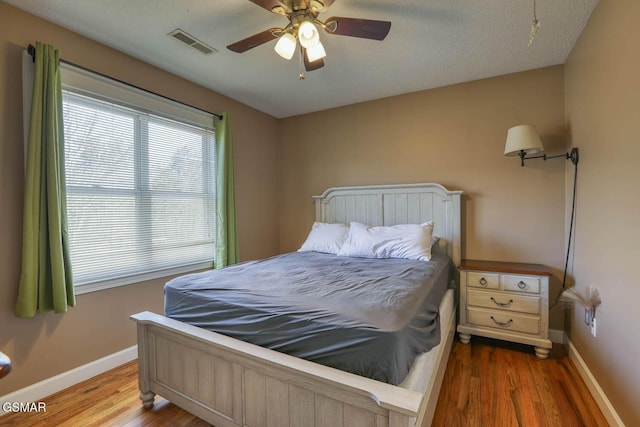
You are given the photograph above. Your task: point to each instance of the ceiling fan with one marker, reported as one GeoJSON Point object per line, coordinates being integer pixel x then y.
{"type": "Point", "coordinates": [302, 30]}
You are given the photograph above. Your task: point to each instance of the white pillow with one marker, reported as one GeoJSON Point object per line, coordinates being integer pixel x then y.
{"type": "Point", "coordinates": [410, 241]}
{"type": "Point", "coordinates": [325, 237]}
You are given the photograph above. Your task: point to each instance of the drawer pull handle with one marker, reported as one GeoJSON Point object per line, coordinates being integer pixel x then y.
{"type": "Point", "coordinates": [502, 304]}
{"type": "Point", "coordinates": [522, 285]}
{"type": "Point", "coordinates": [483, 282]}
{"type": "Point", "coordinates": [503, 324]}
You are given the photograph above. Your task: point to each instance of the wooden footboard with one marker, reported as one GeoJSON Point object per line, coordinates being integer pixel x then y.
{"type": "Point", "coordinates": [232, 383]}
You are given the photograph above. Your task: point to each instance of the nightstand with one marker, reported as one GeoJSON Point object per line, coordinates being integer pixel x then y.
{"type": "Point", "coordinates": [507, 301]}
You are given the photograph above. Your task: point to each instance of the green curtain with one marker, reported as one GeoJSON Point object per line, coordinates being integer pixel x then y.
{"type": "Point", "coordinates": [45, 283]}
{"type": "Point", "coordinates": [226, 228]}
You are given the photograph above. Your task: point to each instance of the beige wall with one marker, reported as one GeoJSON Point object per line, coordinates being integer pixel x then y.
{"type": "Point", "coordinates": [47, 345]}
{"type": "Point", "coordinates": [602, 89]}
{"type": "Point", "coordinates": [455, 136]}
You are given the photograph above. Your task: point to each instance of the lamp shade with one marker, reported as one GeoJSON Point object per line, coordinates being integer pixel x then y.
{"type": "Point", "coordinates": [522, 138]}
{"type": "Point", "coordinates": [286, 46]}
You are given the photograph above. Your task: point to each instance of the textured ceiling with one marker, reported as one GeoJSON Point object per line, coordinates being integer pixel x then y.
{"type": "Point", "coordinates": [432, 43]}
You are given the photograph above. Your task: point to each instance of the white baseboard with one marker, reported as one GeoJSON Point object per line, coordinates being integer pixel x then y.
{"type": "Point", "coordinates": [37, 391]}
{"type": "Point", "coordinates": [598, 394]}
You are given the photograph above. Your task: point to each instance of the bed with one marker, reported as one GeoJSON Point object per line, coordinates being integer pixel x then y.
{"type": "Point", "coordinates": [229, 382]}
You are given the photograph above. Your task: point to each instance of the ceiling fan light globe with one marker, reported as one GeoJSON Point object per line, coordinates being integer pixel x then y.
{"type": "Point", "coordinates": [316, 52]}
{"type": "Point", "coordinates": [286, 46]}
{"type": "Point", "coordinates": [308, 34]}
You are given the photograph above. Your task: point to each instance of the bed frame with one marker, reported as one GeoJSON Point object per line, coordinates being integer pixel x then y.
{"type": "Point", "coordinates": [228, 382]}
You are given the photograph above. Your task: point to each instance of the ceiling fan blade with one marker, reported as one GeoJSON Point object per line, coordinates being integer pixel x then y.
{"type": "Point", "coordinates": [274, 6]}
{"type": "Point", "coordinates": [254, 40]}
{"type": "Point", "coordinates": [310, 66]}
{"type": "Point", "coordinates": [364, 28]}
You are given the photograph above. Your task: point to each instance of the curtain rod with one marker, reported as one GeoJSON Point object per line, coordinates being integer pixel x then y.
{"type": "Point", "coordinates": [31, 49]}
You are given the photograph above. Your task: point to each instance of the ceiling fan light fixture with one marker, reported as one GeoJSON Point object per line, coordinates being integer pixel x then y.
{"type": "Point", "coordinates": [286, 46]}
{"type": "Point", "coordinates": [308, 34]}
{"type": "Point", "coordinates": [303, 30]}
{"type": "Point", "coordinates": [316, 52]}
{"type": "Point", "coordinates": [317, 5]}
{"type": "Point", "coordinates": [280, 10]}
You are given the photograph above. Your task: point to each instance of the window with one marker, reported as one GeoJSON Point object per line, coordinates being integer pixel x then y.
{"type": "Point", "coordinates": [140, 190]}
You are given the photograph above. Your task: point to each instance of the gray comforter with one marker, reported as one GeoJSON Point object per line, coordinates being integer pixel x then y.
{"type": "Point", "coordinates": [366, 316]}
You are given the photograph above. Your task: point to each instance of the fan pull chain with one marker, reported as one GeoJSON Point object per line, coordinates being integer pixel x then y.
{"type": "Point", "coordinates": [535, 24]}
{"type": "Point", "coordinates": [301, 76]}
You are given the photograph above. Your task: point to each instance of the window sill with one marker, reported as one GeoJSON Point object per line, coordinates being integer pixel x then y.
{"type": "Point", "coordinates": [86, 288]}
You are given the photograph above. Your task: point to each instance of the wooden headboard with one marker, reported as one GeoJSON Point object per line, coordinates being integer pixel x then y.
{"type": "Point", "coordinates": [397, 204]}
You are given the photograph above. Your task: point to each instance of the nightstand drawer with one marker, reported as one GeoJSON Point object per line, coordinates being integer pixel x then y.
{"type": "Point", "coordinates": [483, 280]}
{"type": "Point", "coordinates": [503, 301]}
{"type": "Point", "coordinates": [505, 321]}
{"type": "Point", "coordinates": [521, 284]}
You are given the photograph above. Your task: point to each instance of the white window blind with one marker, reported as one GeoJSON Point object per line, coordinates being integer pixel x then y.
{"type": "Point", "coordinates": [140, 191]}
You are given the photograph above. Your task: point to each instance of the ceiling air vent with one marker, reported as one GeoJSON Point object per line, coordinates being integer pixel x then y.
{"type": "Point", "coordinates": [188, 39]}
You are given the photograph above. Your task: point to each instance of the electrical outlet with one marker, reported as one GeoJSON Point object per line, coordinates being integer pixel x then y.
{"type": "Point", "coordinates": [593, 327]}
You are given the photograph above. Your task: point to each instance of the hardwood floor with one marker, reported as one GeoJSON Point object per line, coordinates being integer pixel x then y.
{"type": "Point", "coordinates": [494, 383]}
{"type": "Point", "coordinates": [487, 384]}
{"type": "Point", "coordinates": [110, 399]}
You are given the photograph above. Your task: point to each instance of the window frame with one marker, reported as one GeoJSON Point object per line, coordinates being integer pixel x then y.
{"type": "Point", "coordinates": [100, 88]}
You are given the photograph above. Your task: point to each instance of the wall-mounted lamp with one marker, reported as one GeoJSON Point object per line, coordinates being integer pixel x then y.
{"type": "Point", "coordinates": [523, 141]}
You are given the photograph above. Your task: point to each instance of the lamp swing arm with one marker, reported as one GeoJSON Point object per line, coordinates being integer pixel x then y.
{"type": "Point", "coordinates": [572, 155]}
